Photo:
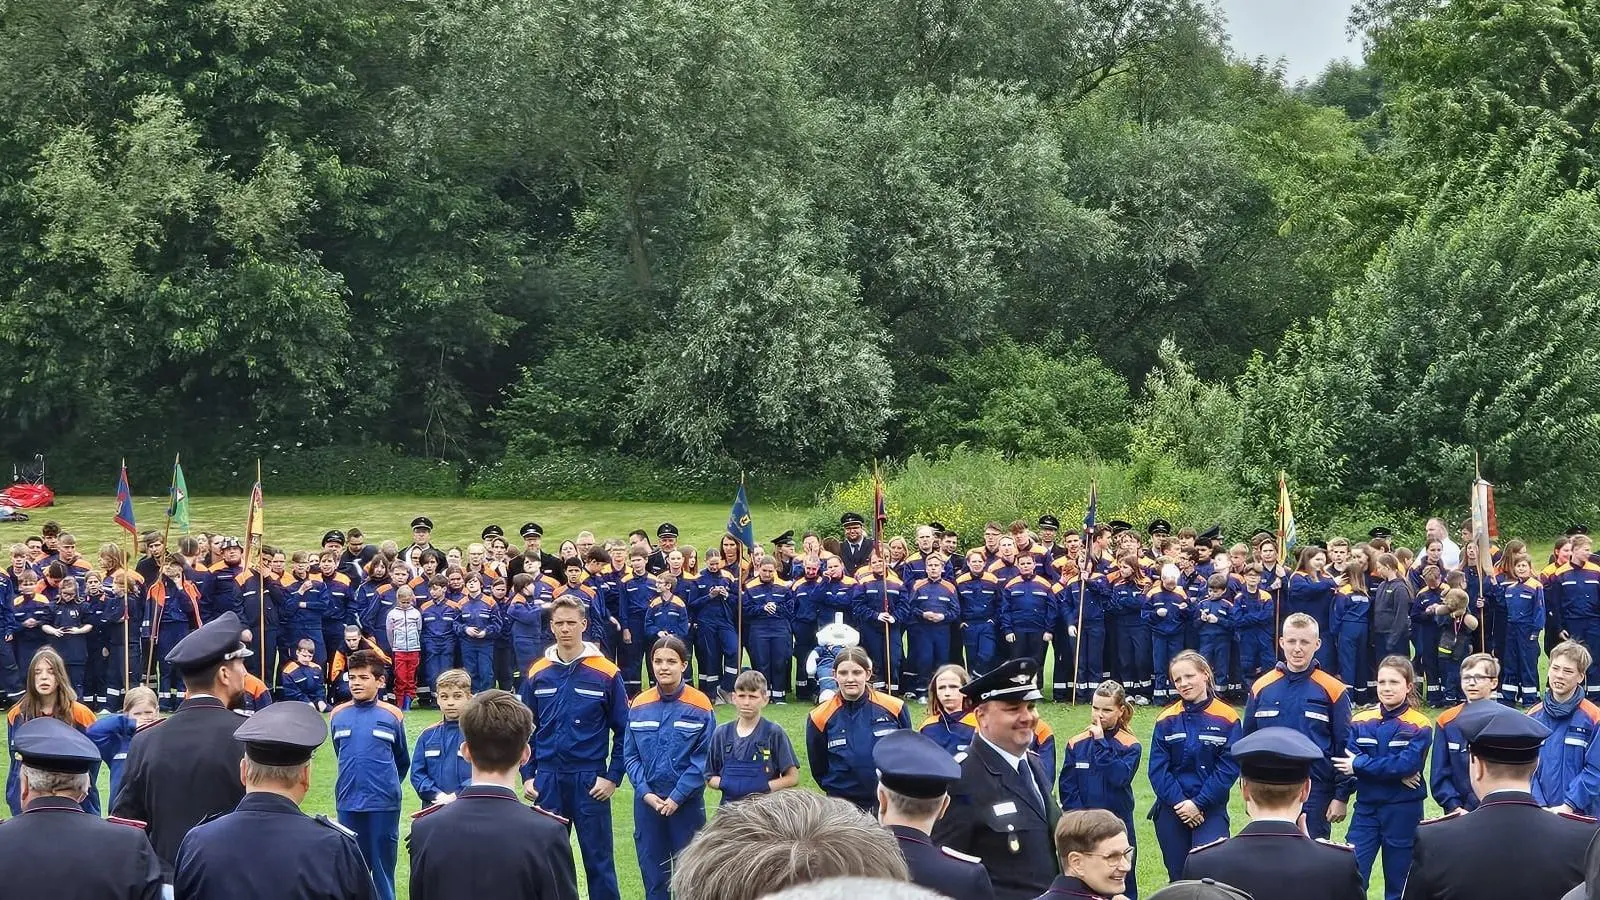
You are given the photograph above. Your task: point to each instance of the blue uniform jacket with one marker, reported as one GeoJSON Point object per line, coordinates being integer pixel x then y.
{"type": "Point", "coordinates": [872, 592]}
{"type": "Point", "coordinates": [337, 594]}
{"type": "Point", "coordinates": [1255, 612]}
{"type": "Point", "coordinates": [952, 731]}
{"type": "Point", "coordinates": [1313, 703]}
{"type": "Point", "coordinates": [437, 766]}
{"type": "Point", "coordinates": [669, 744]}
{"type": "Point", "coordinates": [1189, 758]}
{"type": "Point", "coordinates": [670, 615]}
{"type": "Point", "coordinates": [1028, 605]}
{"type": "Point", "coordinates": [1351, 610]}
{"type": "Point", "coordinates": [372, 604]}
{"type": "Point", "coordinates": [369, 740]}
{"type": "Point", "coordinates": [1569, 762]}
{"type": "Point", "coordinates": [481, 612]}
{"type": "Point", "coordinates": [1127, 604]}
{"type": "Point", "coordinates": [1523, 602]}
{"type": "Point", "coordinates": [1310, 594]}
{"type": "Point", "coordinates": [840, 735]}
{"type": "Point", "coordinates": [1580, 591]}
{"type": "Point", "coordinates": [438, 621]}
{"type": "Point", "coordinates": [1390, 745]}
{"type": "Point", "coordinates": [1176, 603]}
{"type": "Point", "coordinates": [933, 597]}
{"type": "Point", "coordinates": [1222, 608]}
{"type": "Point", "coordinates": [305, 610]}
{"type": "Point", "coordinates": [807, 597]}
{"type": "Point", "coordinates": [525, 619]}
{"type": "Point", "coordinates": [112, 736]}
{"type": "Point", "coordinates": [979, 596]}
{"type": "Point", "coordinates": [757, 594]}
{"type": "Point", "coordinates": [1450, 772]}
{"type": "Point", "coordinates": [708, 604]}
{"type": "Point", "coordinates": [303, 683]}
{"type": "Point", "coordinates": [574, 704]}
{"type": "Point", "coordinates": [1098, 773]}
{"type": "Point", "coordinates": [1094, 612]}
{"type": "Point", "coordinates": [635, 593]}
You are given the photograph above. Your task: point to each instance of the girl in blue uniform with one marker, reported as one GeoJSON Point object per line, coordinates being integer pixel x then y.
{"type": "Point", "coordinates": [1191, 770]}
{"type": "Point", "coordinates": [49, 694]}
{"type": "Point", "coordinates": [1310, 591]}
{"type": "Point", "coordinates": [1388, 745]}
{"type": "Point", "coordinates": [1098, 766]}
{"type": "Point", "coordinates": [1166, 608]}
{"type": "Point", "coordinates": [841, 734]}
{"type": "Point", "coordinates": [947, 722]}
{"type": "Point", "coordinates": [666, 748]}
{"type": "Point", "coordinates": [751, 755]}
{"type": "Point", "coordinates": [1133, 667]}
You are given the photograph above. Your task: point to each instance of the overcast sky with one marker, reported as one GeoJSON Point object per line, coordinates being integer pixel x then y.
{"type": "Point", "coordinates": [1306, 33]}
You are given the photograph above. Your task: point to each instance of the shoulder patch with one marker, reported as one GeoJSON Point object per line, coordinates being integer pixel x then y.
{"type": "Point", "coordinates": [1126, 738]}
{"type": "Point", "coordinates": [1170, 711]}
{"type": "Point", "coordinates": [1435, 820]}
{"type": "Point", "coordinates": [1367, 715]}
{"type": "Point", "coordinates": [1590, 709]}
{"type": "Point", "coordinates": [1449, 715]}
{"type": "Point", "coordinates": [696, 698]}
{"type": "Point", "coordinates": [1417, 719]}
{"type": "Point", "coordinates": [131, 823]}
{"type": "Point", "coordinates": [1042, 731]}
{"type": "Point", "coordinates": [1222, 711]}
{"type": "Point", "coordinates": [1208, 846]}
{"type": "Point", "coordinates": [392, 710]}
{"type": "Point", "coordinates": [1332, 685]}
{"type": "Point", "coordinates": [1349, 848]}
{"type": "Point", "coordinates": [961, 757]}
{"type": "Point", "coordinates": [819, 717]}
{"type": "Point", "coordinates": [649, 696]}
{"type": "Point", "coordinates": [538, 666]}
{"type": "Point", "coordinates": [888, 701]}
{"type": "Point", "coordinates": [1078, 738]}
{"type": "Point", "coordinates": [602, 665]}
{"type": "Point", "coordinates": [324, 820]}
{"type": "Point", "coordinates": [927, 722]}
{"type": "Point", "coordinates": [957, 854]}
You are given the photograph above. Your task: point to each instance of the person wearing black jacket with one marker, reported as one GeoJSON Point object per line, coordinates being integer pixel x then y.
{"type": "Point", "coordinates": [1391, 611]}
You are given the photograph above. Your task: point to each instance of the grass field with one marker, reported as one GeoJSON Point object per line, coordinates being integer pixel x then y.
{"type": "Point", "coordinates": [299, 522]}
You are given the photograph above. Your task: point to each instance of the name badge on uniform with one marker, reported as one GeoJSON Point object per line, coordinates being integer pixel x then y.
{"type": "Point", "coordinates": [1320, 717]}
{"type": "Point", "coordinates": [1007, 808]}
{"type": "Point", "coordinates": [430, 753]}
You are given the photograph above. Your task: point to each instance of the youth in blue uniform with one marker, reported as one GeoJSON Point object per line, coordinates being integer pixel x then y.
{"type": "Point", "coordinates": [113, 734]}
{"type": "Point", "coordinates": [1522, 598]}
{"type": "Point", "coordinates": [712, 607]}
{"type": "Point", "coordinates": [1255, 620]}
{"type": "Point", "coordinates": [1028, 613]}
{"type": "Point", "coordinates": [932, 607]}
{"type": "Point", "coordinates": [768, 610]}
{"type": "Point", "coordinates": [1134, 662]}
{"type": "Point", "coordinates": [979, 595]}
{"type": "Point", "coordinates": [49, 695]}
{"type": "Point", "coordinates": [1310, 591]}
{"type": "Point", "coordinates": [1166, 609]}
{"type": "Point", "coordinates": [1298, 695]}
{"type": "Point", "coordinates": [751, 755]}
{"type": "Point", "coordinates": [1191, 770]}
{"type": "Point", "coordinates": [1214, 615]}
{"type": "Point", "coordinates": [1450, 776]}
{"type": "Point", "coordinates": [1425, 607]}
{"type": "Point", "coordinates": [173, 605]}
{"type": "Point", "coordinates": [301, 679]}
{"type": "Point", "coordinates": [668, 613]}
{"type": "Point", "coordinates": [338, 594]}
{"type": "Point", "coordinates": [1352, 617]}
{"type": "Point", "coordinates": [438, 635]}
{"type": "Point", "coordinates": [266, 848]}
{"type": "Point", "coordinates": [525, 614]}
{"type": "Point", "coordinates": [1568, 777]}
{"type": "Point", "coordinates": [477, 628]}
{"type": "Point", "coordinates": [577, 698]}
{"type": "Point", "coordinates": [808, 586]}
{"type": "Point", "coordinates": [30, 612]}
{"type": "Point", "coordinates": [635, 590]}
{"type": "Point", "coordinates": [841, 733]}
{"type": "Point", "coordinates": [1099, 763]}
{"type": "Point", "coordinates": [1388, 748]}
{"type": "Point", "coordinates": [880, 599]}
{"type": "Point", "coordinates": [69, 629]}
{"type": "Point", "coordinates": [438, 770]}
{"type": "Point", "coordinates": [305, 598]}
{"type": "Point", "coordinates": [666, 753]}
{"type": "Point", "coordinates": [369, 739]}
{"type": "Point", "coordinates": [950, 722]}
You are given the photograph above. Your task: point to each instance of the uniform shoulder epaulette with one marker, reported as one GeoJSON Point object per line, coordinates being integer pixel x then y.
{"type": "Point", "coordinates": [426, 810]}
{"type": "Point", "coordinates": [961, 757]}
{"type": "Point", "coordinates": [1350, 848]}
{"type": "Point", "coordinates": [566, 822]}
{"type": "Point", "coordinates": [1578, 817]}
{"type": "Point", "coordinates": [957, 854]}
{"type": "Point", "coordinates": [1437, 819]}
{"type": "Point", "coordinates": [324, 820]}
{"type": "Point", "coordinates": [131, 823]}
{"type": "Point", "coordinates": [1208, 846]}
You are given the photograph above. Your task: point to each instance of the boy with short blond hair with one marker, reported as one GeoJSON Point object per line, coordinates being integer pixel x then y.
{"type": "Point", "coordinates": [438, 769]}
{"type": "Point", "coordinates": [751, 754]}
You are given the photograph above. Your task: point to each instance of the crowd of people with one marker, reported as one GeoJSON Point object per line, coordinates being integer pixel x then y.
{"type": "Point", "coordinates": [1334, 662]}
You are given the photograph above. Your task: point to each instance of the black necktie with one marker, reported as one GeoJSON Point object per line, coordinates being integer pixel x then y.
{"type": "Point", "coordinates": [1025, 772]}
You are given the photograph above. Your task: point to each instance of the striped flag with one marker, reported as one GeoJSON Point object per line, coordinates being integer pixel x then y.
{"type": "Point", "coordinates": [1286, 530]}
{"type": "Point", "coordinates": [124, 517]}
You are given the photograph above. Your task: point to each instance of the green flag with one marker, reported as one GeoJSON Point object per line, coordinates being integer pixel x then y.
{"type": "Point", "coordinates": [178, 505]}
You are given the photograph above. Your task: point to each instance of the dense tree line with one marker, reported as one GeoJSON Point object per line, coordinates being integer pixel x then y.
{"type": "Point", "coordinates": [773, 235]}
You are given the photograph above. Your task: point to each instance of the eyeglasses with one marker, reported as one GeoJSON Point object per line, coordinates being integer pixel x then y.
{"type": "Point", "coordinates": [1114, 857]}
{"type": "Point", "coordinates": [1475, 679]}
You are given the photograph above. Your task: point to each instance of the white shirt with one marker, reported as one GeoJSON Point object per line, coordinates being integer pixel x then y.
{"type": "Point", "coordinates": [1016, 763]}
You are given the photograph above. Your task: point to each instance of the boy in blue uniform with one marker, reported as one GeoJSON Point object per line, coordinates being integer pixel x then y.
{"type": "Point", "coordinates": [668, 614]}
{"type": "Point", "coordinates": [438, 770]}
{"type": "Point", "coordinates": [477, 628]}
{"type": "Point", "coordinates": [634, 593]}
{"type": "Point", "coordinates": [577, 698]}
{"type": "Point", "coordinates": [768, 611]}
{"type": "Point", "coordinates": [1028, 613]}
{"type": "Point", "coordinates": [369, 738]}
{"type": "Point", "coordinates": [1568, 777]}
{"type": "Point", "coordinates": [751, 755]}
{"type": "Point", "coordinates": [301, 679]}
{"type": "Point", "coordinates": [716, 640]}
{"type": "Point", "coordinates": [112, 734]}
{"type": "Point", "coordinates": [932, 607]}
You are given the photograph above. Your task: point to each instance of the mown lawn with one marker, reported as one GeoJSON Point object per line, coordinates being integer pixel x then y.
{"type": "Point", "coordinates": [299, 522]}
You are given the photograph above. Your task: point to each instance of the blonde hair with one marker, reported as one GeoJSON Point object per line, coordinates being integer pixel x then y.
{"type": "Point", "coordinates": [453, 678]}
{"type": "Point", "coordinates": [1119, 695]}
{"type": "Point", "coordinates": [138, 695]}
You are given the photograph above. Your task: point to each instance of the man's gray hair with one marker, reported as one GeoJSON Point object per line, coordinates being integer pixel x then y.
{"type": "Point", "coordinates": [917, 808]}
{"type": "Point", "coordinates": [56, 784]}
{"type": "Point", "coordinates": [261, 775]}
{"type": "Point", "coordinates": [769, 842]}
{"type": "Point", "coordinates": [855, 889]}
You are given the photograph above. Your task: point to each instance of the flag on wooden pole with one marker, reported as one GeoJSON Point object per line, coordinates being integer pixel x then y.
{"type": "Point", "coordinates": [1286, 529]}
{"type": "Point", "coordinates": [124, 517]}
{"type": "Point", "coordinates": [178, 503]}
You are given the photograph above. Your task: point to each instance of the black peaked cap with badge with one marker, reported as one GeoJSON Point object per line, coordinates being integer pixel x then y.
{"type": "Point", "coordinates": [422, 522]}
{"type": "Point", "coordinates": [784, 540]}
{"type": "Point", "coordinates": [1049, 522]}
{"type": "Point", "coordinates": [1014, 679]}
{"type": "Point", "coordinates": [283, 734]}
{"type": "Point", "coordinates": [51, 745]}
{"type": "Point", "coordinates": [213, 643]}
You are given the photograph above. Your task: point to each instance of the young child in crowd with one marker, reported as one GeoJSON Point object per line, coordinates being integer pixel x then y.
{"type": "Point", "coordinates": [369, 739]}
{"type": "Point", "coordinates": [404, 627]}
{"type": "Point", "coordinates": [112, 734]}
{"type": "Point", "coordinates": [339, 663]}
{"type": "Point", "coordinates": [301, 679]}
{"type": "Point", "coordinates": [438, 770]}
{"type": "Point", "coordinates": [751, 754]}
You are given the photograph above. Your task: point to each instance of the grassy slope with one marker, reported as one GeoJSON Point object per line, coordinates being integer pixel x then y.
{"type": "Point", "coordinates": [298, 522]}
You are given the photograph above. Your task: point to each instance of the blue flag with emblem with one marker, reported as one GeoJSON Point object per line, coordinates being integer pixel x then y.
{"type": "Point", "coordinates": [739, 526]}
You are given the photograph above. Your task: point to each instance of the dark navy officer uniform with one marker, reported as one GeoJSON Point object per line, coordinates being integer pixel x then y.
{"type": "Point", "coordinates": [185, 768]}
{"type": "Point", "coordinates": [914, 765]}
{"type": "Point", "coordinates": [1271, 859]}
{"type": "Point", "coordinates": [268, 849]}
{"type": "Point", "coordinates": [1508, 846]}
{"type": "Point", "coordinates": [40, 849]}
{"type": "Point", "coordinates": [1002, 811]}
